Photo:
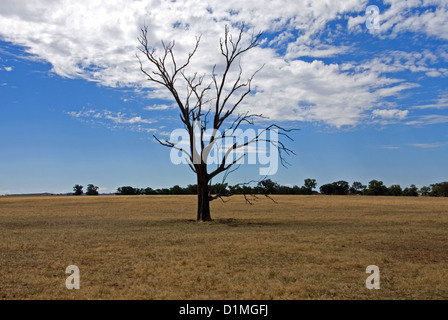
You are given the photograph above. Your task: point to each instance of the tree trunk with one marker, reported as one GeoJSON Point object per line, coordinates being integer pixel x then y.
{"type": "Point", "coordinates": [203, 199]}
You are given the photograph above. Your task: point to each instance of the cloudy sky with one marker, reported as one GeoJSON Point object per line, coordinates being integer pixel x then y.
{"type": "Point", "coordinates": [369, 92]}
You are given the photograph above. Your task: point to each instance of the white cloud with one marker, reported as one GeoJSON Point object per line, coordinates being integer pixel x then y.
{"type": "Point", "coordinates": [319, 92]}
{"type": "Point", "coordinates": [390, 147]}
{"type": "Point", "coordinates": [8, 68]}
{"type": "Point", "coordinates": [121, 118]}
{"type": "Point", "coordinates": [96, 40]}
{"type": "Point", "coordinates": [81, 114]}
{"type": "Point", "coordinates": [398, 61]}
{"type": "Point", "coordinates": [159, 107]}
{"type": "Point", "coordinates": [441, 103]}
{"type": "Point", "coordinates": [395, 90]}
{"type": "Point", "coordinates": [319, 51]}
{"type": "Point", "coordinates": [428, 145]}
{"type": "Point", "coordinates": [115, 117]}
{"type": "Point", "coordinates": [390, 113]}
{"type": "Point", "coordinates": [429, 119]}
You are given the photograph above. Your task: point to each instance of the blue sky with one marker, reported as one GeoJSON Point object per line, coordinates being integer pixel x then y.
{"type": "Point", "coordinates": [75, 109]}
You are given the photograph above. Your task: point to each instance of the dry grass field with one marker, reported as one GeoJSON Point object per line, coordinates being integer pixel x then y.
{"type": "Point", "coordinates": [148, 247]}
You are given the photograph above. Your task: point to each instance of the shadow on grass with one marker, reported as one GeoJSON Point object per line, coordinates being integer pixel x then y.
{"type": "Point", "coordinates": [232, 222]}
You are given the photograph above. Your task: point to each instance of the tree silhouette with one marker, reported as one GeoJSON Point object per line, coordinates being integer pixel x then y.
{"type": "Point", "coordinates": [126, 190]}
{"type": "Point", "coordinates": [357, 188]}
{"type": "Point", "coordinates": [77, 190]}
{"type": "Point", "coordinates": [425, 191]}
{"type": "Point", "coordinates": [92, 190]}
{"type": "Point", "coordinates": [268, 186]}
{"type": "Point", "coordinates": [327, 188]}
{"type": "Point", "coordinates": [209, 104]}
{"type": "Point", "coordinates": [341, 187]}
{"type": "Point", "coordinates": [308, 186]}
{"type": "Point", "coordinates": [376, 188]}
{"type": "Point", "coordinates": [439, 189]}
{"type": "Point", "coordinates": [395, 190]}
{"type": "Point", "coordinates": [412, 191]}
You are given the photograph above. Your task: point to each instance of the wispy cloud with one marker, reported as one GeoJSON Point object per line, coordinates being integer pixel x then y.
{"type": "Point", "coordinates": [429, 145]}
{"type": "Point", "coordinates": [437, 105]}
{"type": "Point", "coordinates": [432, 106]}
{"type": "Point", "coordinates": [121, 118]}
{"type": "Point", "coordinates": [116, 117]}
{"type": "Point", "coordinates": [159, 107]}
{"type": "Point", "coordinates": [441, 103]}
{"type": "Point", "coordinates": [390, 147]}
{"type": "Point", "coordinates": [390, 113]}
{"type": "Point", "coordinates": [429, 120]}
{"type": "Point", "coordinates": [115, 120]}
{"type": "Point", "coordinates": [392, 61]}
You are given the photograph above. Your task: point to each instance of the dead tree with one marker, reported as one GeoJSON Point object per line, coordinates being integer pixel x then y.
{"type": "Point", "coordinates": [213, 104]}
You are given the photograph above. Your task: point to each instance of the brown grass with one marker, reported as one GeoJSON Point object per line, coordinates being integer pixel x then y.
{"type": "Point", "coordinates": [148, 247]}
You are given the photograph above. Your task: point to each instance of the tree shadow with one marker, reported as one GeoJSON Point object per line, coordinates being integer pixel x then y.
{"type": "Point", "coordinates": [232, 222]}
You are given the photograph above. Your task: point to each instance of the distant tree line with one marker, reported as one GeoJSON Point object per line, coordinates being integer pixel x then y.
{"type": "Point", "coordinates": [263, 187]}
{"type": "Point", "coordinates": [377, 188]}
{"type": "Point", "coordinates": [92, 190]}
{"type": "Point", "coordinates": [374, 188]}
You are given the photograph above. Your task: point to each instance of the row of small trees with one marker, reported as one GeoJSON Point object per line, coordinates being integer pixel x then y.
{"type": "Point", "coordinates": [374, 188]}
{"type": "Point", "coordinates": [91, 190]}
{"type": "Point", "coordinates": [263, 187]}
{"type": "Point", "coordinates": [377, 188]}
